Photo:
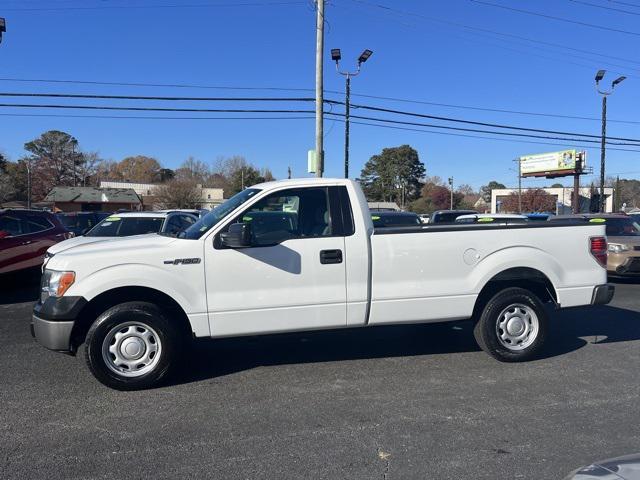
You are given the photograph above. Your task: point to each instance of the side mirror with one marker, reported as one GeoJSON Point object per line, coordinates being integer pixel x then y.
{"type": "Point", "coordinates": [238, 236]}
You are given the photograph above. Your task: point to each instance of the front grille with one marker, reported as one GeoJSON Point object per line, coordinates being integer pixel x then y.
{"type": "Point", "coordinates": [637, 247]}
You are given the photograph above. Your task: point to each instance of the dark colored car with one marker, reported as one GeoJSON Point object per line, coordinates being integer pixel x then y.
{"type": "Point", "coordinates": [25, 236]}
{"type": "Point", "coordinates": [395, 219]}
{"type": "Point", "coordinates": [81, 222]}
{"type": "Point", "coordinates": [448, 216]}
{"type": "Point", "coordinates": [538, 216]}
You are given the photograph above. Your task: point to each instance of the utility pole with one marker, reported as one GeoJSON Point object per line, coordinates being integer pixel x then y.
{"type": "Point", "coordinates": [576, 183]}
{"type": "Point", "coordinates": [289, 172]}
{"type": "Point", "coordinates": [519, 160]}
{"type": "Point", "coordinates": [605, 93]}
{"type": "Point", "coordinates": [28, 164]}
{"type": "Point", "coordinates": [73, 159]}
{"type": "Point", "coordinates": [336, 56]}
{"type": "Point", "coordinates": [451, 193]}
{"type": "Point", "coordinates": [602, 152]}
{"type": "Point", "coordinates": [319, 88]}
{"type": "Point", "coordinates": [3, 27]}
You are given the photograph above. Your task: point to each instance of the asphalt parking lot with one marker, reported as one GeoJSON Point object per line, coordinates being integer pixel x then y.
{"type": "Point", "coordinates": [402, 402]}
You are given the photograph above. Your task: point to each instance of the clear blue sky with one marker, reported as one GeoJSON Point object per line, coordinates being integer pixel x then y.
{"type": "Point", "coordinates": [256, 43]}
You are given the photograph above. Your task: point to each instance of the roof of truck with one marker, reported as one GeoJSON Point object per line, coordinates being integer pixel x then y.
{"type": "Point", "coordinates": [304, 182]}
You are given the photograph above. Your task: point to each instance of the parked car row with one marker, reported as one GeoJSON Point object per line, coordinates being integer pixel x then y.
{"type": "Point", "coordinates": [27, 237]}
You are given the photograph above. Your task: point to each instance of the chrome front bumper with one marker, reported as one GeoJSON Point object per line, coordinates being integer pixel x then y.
{"type": "Point", "coordinates": [54, 335]}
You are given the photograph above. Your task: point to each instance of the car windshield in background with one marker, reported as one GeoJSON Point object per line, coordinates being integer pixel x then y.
{"type": "Point", "coordinates": [204, 224]}
{"type": "Point", "coordinates": [381, 219]}
{"type": "Point", "coordinates": [79, 223]}
{"type": "Point", "coordinates": [116, 226]}
{"type": "Point", "coordinates": [622, 227]}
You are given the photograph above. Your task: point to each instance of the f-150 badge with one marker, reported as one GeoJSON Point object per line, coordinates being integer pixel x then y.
{"type": "Point", "coordinates": [182, 261]}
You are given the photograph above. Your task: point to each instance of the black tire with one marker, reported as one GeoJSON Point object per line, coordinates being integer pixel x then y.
{"type": "Point", "coordinates": [139, 320]}
{"type": "Point", "coordinates": [489, 327]}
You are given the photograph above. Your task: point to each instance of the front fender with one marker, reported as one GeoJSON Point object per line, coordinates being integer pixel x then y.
{"type": "Point", "coordinates": [188, 290]}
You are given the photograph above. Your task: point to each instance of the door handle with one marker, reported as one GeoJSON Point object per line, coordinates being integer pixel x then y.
{"type": "Point", "coordinates": [330, 256]}
{"type": "Point", "coordinates": [26, 242]}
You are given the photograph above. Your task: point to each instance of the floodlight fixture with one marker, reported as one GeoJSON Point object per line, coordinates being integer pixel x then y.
{"type": "Point", "coordinates": [364, 56]}
{"type": "Point", "coordinates": [335, 54]}
{"type": "Point", "coordinates": [617, 81]}
{"type": "Point", "coordinates": [600, 75]}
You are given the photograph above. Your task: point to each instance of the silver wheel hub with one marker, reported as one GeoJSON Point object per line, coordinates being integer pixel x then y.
{"type": "Point", "coordinates": [131, 349]}
{"type": "Point", "coordinates": [517, 327]}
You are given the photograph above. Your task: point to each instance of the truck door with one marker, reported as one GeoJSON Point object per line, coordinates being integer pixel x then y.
{"type": "Point", "coordinates": [292, 277]}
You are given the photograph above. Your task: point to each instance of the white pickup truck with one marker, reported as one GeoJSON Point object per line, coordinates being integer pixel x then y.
{"type": "Point", "coordinates": [304, 255]}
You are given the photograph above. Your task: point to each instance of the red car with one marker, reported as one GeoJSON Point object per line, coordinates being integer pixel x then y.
{"type": "Point", "coordinates": [25, 236]}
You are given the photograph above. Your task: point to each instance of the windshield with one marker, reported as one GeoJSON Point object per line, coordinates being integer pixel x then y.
{"type": "Point", "coordinates": [622, 227]}
{"type": "Point", "coordinates": [205, 223]}
{"type": "Point", "coordinates": [115, 226]}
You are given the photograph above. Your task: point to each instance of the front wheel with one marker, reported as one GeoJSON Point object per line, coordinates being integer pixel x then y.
{"type": "Point", "coordinates": [512, 326]}
{"type": "Point", "coordinates": [132, 346]}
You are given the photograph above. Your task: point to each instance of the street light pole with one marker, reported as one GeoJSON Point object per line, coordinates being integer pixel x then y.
{"type": "Point", "coordinates": [605, 93]}
{"type": "Point", "coordinates": [336, 56]}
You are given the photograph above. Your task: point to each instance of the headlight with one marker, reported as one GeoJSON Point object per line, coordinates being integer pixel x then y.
{"type": "Point", "coordinates": [55, 284]}
{"type": "Point", "coordinates": [618, 247]}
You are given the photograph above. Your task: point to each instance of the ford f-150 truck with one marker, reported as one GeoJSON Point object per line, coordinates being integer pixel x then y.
{"type": "Point", "coordinates": [303, 255]}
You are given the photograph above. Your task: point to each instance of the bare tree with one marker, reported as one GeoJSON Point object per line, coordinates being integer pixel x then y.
{"type": "Point", "coordinates": [178, 193]}
{"type": "Point", "coordinates": [7, 190]}
{"type": "Point", "coordinates": [195, 170]}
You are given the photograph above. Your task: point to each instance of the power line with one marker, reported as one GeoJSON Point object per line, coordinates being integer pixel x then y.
{"type": "Point", "coordinates": [604, 7]}
{"type": "Point", "coordinates": [485, 124]}
{"type": "Point", "coordinates": [629, 4]}
{"type": "Point", "coordinates": [54, 115]}
{"type": "Point", "coordinates": [168, 85]}
{"type": "Point", "coordinates": [154, 109]}
{"type": "Point", "coordinates": [169, 6]}
{"type": "Point", "coordinates": [127, 117]}
{"type": "Point", "coordinates": [160, 98]}
{"type": "Point", "coordinates": [331, 102]}
{"type": "Point", "coordinates": [475, 130]}
{"type": "Point", "coordinates": [497, 110]}
{"type": "Point", "coordinates": [482, 137]}
{"type": "Point", "coordinates": [394, 99]}
{"type": "Point", "coordinates": [492, 32]}
{"type": "Point", "coordinates": [560, 19]}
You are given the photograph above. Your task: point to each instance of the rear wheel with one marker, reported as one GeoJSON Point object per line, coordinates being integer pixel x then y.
{"type": "Point", "coordinates": [512, 326]}
{"type": "Point", "coordinates": [132, 346]}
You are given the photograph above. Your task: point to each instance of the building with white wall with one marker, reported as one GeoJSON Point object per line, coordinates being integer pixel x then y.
{"type": "Point", "coordinates": [563, 198]}
{"type": "Point", "coordinates": [209, 197]}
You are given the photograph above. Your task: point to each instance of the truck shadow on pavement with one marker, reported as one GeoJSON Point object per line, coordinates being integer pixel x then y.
{"type": "Point", "coordinates": [569, 330]}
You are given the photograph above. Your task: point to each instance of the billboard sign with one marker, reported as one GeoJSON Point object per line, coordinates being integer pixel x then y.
{"type": "Point", "coordinates": [552, 164]}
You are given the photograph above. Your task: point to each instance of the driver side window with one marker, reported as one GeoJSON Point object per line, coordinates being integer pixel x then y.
{"type": "Point", "coordinates": [287, 214]}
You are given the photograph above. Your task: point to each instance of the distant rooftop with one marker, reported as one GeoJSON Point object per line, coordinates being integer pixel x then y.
{"type": "Point", "coordinates": [92, 195]}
